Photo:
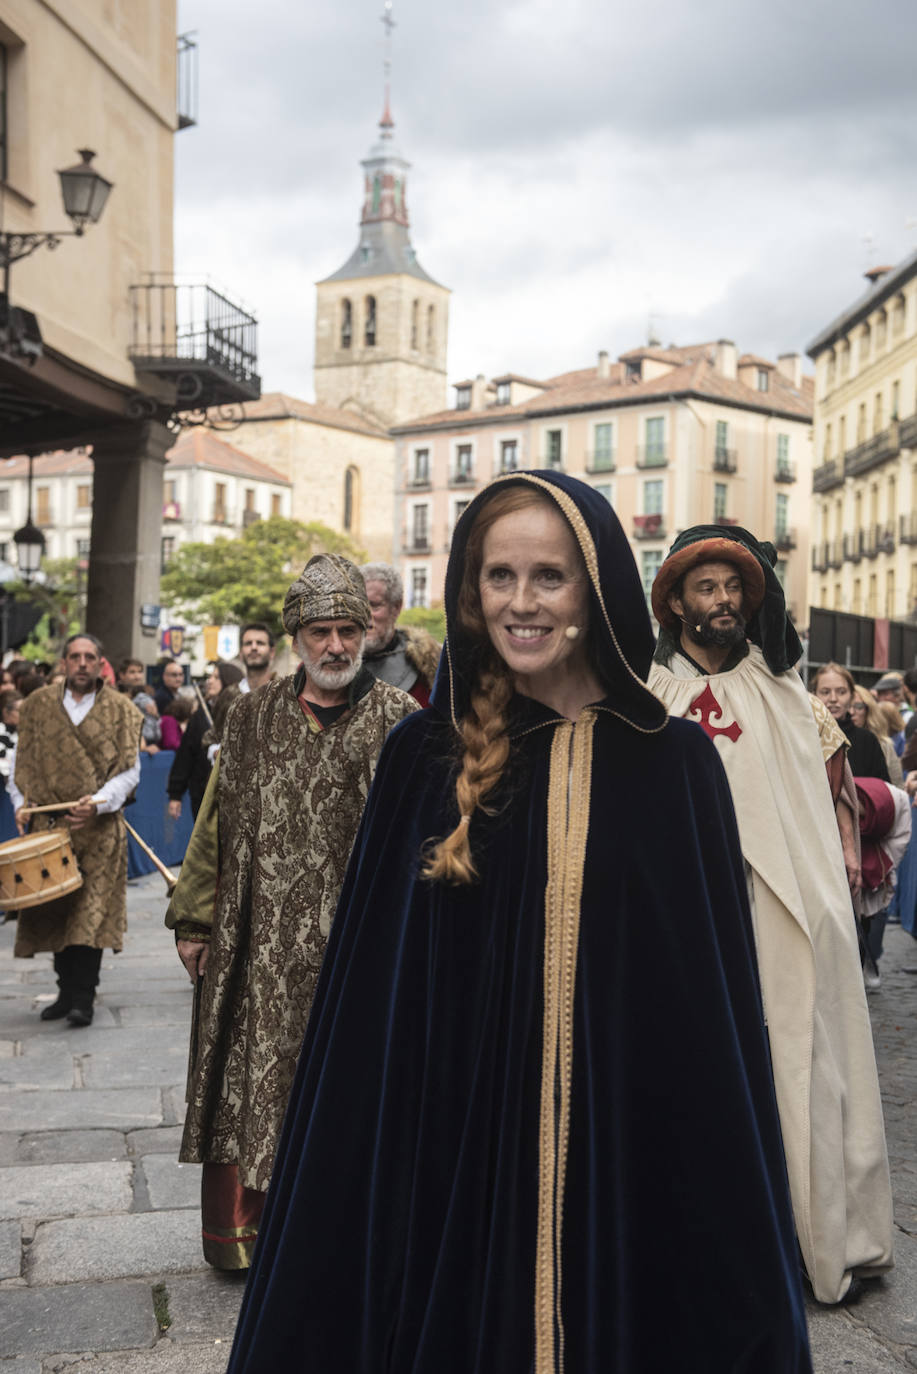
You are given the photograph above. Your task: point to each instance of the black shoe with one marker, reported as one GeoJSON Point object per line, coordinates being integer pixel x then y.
{"type": "Point", "coordinates": [80, 1014]}
{"type": "Point", "coordinates": [57, 1009]}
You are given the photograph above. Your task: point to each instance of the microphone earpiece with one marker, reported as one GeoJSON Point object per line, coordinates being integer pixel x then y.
{"type": "Point", "coordinates": [572, 631]}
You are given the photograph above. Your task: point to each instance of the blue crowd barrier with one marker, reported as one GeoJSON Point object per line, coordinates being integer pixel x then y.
{"type": "Point", "coordinates": [149, 815]}
{"type": "Point", "coordinates": [7, 819]}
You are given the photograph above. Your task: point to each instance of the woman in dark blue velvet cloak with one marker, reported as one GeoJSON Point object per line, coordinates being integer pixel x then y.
{"type": "Point", "coordinates": [533, 1126]}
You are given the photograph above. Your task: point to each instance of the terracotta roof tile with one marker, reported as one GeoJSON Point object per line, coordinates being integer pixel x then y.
{"type": "Point", "coordinates": [692, 374]}
{"type": "Point", "coordinates": [200, 448]}
{"type": "Point", "coordinates": [61, 463]}
{"type": "Point", "coordinates": [276, 405]}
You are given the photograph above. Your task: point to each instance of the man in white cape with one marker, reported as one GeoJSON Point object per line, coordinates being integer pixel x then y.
{"type": "Point", "coordinates": [725, 659]}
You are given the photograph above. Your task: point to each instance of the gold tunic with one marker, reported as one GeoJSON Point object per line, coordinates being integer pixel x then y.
{"type": "Point", "coordinates": [57, 761]}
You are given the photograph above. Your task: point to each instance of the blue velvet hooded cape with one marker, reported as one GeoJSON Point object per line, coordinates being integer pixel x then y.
{"type": "Point", "coordinates": [401, 1229]}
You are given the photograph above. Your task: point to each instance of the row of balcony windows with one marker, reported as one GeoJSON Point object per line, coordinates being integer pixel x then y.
{"type": "Point", "coordinates": [725, 461]}
{"type": "Point", "coordinates": [869, 454]}
{"type": "Point", "coordinates": [644, 527]}
{"type": "Point", "coordinates": [868, 543]}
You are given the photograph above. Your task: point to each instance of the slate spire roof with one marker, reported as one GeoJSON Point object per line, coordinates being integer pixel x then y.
{"type": "Point", "coordinates": [385, 243]}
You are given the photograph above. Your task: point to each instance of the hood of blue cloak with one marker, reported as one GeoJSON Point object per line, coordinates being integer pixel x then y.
{"type": "Point", "coordinates": [620, 629]}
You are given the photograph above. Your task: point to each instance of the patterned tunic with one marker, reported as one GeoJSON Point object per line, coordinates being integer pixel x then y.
{"type": "Point", "coordinates": [290, 796]}
{"type": "Point", "coordinates": [58, 761]}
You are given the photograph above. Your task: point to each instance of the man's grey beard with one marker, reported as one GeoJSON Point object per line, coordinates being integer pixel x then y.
{"type": "Point", "coordinates": [723, 639]}
{"type": "Point", "coordinates": [329, 679]}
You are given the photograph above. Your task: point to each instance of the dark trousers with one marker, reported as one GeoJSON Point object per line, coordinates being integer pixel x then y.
{"type": "Point", "coordinates": [77, 968]}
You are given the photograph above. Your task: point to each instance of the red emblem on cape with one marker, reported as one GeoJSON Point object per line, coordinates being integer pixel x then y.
{"type": "Point", "coordinates": [708, 709]}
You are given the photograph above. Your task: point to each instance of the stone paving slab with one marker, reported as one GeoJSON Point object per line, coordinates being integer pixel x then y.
{"type": "Point", "coordinates": [115, 1068]}
{"type": "Point", "coordinates": [48, 1066]}
{"type": "Point", "coordinates": [116, 1247]}
{"type": "Point", "coordinates": [10, 1249]}
{"type": "Point", "coordinates": [166, 1358]}
{"type": "Point", "coordinates": [171, 1184]}
{"type": "Point", "coordinates": [205, 1306]}
{"type": "Point", "coordinates": [69, 1147]}
{"type": "Point", "coordinates": [77, 1317]}
{"type": "Point", "coordinates": [9, 1139]}
{"type": "Point", "coordinates": [7, 1049]}
{"type": "Point", "coordinates": [890, 1307]}
{"type": "Point", "coordinates": [21, 1364]}
{"type": "Point", "coordinates": [839, 1346]}
{"type": "Point", "coordinates": [25, 1024]}
{"type": "Point", "coordinates": [177, 1101]}
{"type": "Point", "coordinates": [126, 1109]}
{"type": "Point", "coordinates": [65, 1190]}
{"type": "Point", "coordinates": [167, 1012]}
{"type": "Point", "coordinates": [159, 1140]}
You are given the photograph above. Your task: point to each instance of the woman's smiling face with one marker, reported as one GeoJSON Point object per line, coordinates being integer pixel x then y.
{"type": "Point", "coordinates": [533, 585]}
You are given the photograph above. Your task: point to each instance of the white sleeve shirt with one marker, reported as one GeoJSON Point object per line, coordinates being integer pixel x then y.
{"type": "Point", "coordinates": [112, 795]}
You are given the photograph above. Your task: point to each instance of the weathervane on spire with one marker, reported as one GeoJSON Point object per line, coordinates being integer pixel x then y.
{"type": "Point", "coordinates": [388, 23]}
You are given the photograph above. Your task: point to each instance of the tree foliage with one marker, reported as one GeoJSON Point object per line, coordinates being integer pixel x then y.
{"type": "Point", "coordinates": [61, 599]}
{"type": "Point", "coordinates": [232, 581]}
{"type": "Point", "coordinates": [429, 618]}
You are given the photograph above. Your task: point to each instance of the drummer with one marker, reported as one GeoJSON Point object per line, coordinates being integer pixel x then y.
{"type": "Point", "coordinates": [78, 742]}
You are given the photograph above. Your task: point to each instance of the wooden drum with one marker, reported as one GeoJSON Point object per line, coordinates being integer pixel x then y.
{"type": "Point", "coordinates": [37, 868]}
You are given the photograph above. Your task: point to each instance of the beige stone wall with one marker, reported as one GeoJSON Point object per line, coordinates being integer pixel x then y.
{"type": "Point", "coordinates": [392, 380]}
{"type": "Point", "coordinates": [688, 478]}
{"type": "Point", "coordinates": [97, 74]}
{"type": "Point", "coordinates": [315, 458]}
{"type": "Point", "coordinates": [864, 531]}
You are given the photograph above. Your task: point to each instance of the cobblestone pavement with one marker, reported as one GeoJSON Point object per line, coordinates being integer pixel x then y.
{"type": "Point", "coordinates": [100, 1263]}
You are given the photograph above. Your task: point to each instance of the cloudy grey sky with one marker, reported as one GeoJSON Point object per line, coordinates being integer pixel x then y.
{"type": "Point", "coordinates": [729, 167]}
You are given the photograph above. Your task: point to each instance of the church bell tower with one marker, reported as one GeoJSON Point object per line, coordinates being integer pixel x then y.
{"type": "Point", "coordinates": [382, 322]}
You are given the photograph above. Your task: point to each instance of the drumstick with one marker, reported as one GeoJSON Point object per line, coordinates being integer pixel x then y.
{"type": "Point", "coordinates": [54, 806]}
{"type": "Point", "coordinates": [200, 697]}
{"type": "Point", "coordinates": [167, 873]}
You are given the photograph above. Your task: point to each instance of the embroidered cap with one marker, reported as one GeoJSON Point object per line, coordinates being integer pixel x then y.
{"type": "Point", "coordinates": [329, 587]}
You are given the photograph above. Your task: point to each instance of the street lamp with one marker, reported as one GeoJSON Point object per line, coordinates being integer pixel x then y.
{"type": "Point", "coordinates": [84, 192]}
{"type": "Point", "coordinates": [29, 541]}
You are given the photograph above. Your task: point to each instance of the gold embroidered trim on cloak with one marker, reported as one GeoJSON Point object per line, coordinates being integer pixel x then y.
{"type": "Point", "coordinates": [569, 788]}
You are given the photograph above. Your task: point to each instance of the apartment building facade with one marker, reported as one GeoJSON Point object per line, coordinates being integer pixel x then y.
{"type": "Point", "coordinates": [671, 437]}
{"type": "Point", "coordinates": [864, 530]}
{"type": "Point", "coordinates": [210, 490]}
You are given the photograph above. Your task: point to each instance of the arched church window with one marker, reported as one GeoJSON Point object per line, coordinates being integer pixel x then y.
{"type": "Point", "coordinates": [377, 192]}
{"type": "Point", "coordinates": [351, 477]}
{"type": "Point", "coordinates": [346, 323]}
{"type": "Point", "coordinates": [415, 315]}
{"type": "Point", "coordinates": [431, 329]}
{"type": "Point", "coordinates": [369, 333]}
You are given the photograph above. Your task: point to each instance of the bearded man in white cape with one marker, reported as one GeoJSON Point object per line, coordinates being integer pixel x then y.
{"type": "Point", "coordinates": [725, 659]}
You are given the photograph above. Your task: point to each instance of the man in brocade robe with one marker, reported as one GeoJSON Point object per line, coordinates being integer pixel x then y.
{"type": "Point", "coordinates": [78, 741]}
{"type": "Point", "coordinates": [275, 829]}
{"type": "Point", "coordinates": [725, 659]}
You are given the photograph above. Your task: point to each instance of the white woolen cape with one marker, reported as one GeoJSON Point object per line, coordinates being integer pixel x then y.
{"type": "Point", "coordinates": [808, 956]}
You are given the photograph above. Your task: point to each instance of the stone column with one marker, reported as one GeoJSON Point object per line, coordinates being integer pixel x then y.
{"type": "Point", "coordinates": [125, 550]}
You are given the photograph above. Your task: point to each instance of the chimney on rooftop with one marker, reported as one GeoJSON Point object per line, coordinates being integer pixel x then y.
{"type": "Point", "coordinates": [789, 365]}
{"type": "Point", "coordinates": [726, 358]}
{"type": "Point", "coordinates": [479, 392]}
{"type": "Point", "coordinates": [603, 371]}
{"type": "Point", "coordinates": [874, 274]}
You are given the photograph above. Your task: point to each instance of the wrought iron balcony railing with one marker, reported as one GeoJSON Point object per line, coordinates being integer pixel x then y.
{"type": "Point", "coordinates": [829, 475]}
{"type": "Point", "coordinates": [194, 337]}
{"type": "Point", "coordinates": [649, 526]}
{"type": "Point", "coordinates": [786, 471]}
{"type": "Point", "coordinates": [652, 456]}
{"type": "Point", "coordinates": [601, 460]}
{"type": "Point", "coordinates": [725, 460]}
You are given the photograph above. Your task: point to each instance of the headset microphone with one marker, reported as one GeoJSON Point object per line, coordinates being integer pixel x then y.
{"type": "Point", "coordinates": [572, 631]}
